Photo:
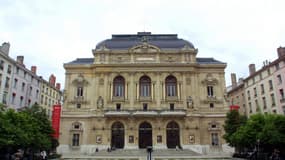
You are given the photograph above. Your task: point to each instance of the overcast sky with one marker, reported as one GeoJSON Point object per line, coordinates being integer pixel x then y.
{"type": "Point", "coordinates": [50, 33]}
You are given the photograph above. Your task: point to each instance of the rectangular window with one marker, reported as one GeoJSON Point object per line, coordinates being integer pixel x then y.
{"type": "Point", "coordinates": [0, 79]}
{"type": "Point", "coordinates": [21, 101]}
{"type": "Point", "coordinates": [15, 82]}
{"type": "Point", "coordinates": [256, 105]}
{"type": "Point", "coordinates": [42, 99]}
{"type": "Point", "coordinates": [210, 91]}
{"type": "Point", "coordinates": [1, 64]}
{"type": "Point", "coordinates": [145, 106]}
{"type": "Point", "coordinates": [7, 82]}
{"type": "Point", "coordinates": [273, 99]}
{"type": "Point", "coordinates": [250, 107]}
{"type": "Point", "coordinates": [23, 87]}
{"type": "Point", "coordinates": [13, 98]}
{"type": "Point", "coordinates": [270, 85]}
{"type": "Point", "coordinates": [171, 106]}
{"type": "Point", "coordinates": [31, 90]}
{"type": "Point", "coordinates": [37, 93]}
{"type": "Point", "coordinates": [17, 70]}
{"type": "Point", "coordinates": [248, 95]}
{"type": "Point", "coordinates": [9, 69]}
{"type": "Point", "coordinates": [264, 102]}
{"type": "Point", "coordinates": [211, 105]}
{"type": "Point", "coordinates": [4, 100]}
{"type": "Point", "coordinates": [279, 79]}
{"type": "Point", "coordinates": [281, 94]}
{"type": "Point", "coordinates": [78, 105]}
{"type": "Point", "coordinates": [79, 91]}
{"type": "Point", "coordinates": [118, 106]}
{"type": "Point", "coordinates": [75, 139]}
{"type": "Point", "coordinates": [262, 88]}
{"type": "Point", "coordinates": [215, 139]}
{"type": "Point", "coordinates": [255, 92]}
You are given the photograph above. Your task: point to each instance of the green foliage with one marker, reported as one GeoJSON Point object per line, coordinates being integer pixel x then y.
{"type": "Point", "coordinates": [266, 130]}
{"type": "Point", "coordinates": [29, 128]}
{"type": "Point", "coordinates": [232, 124]}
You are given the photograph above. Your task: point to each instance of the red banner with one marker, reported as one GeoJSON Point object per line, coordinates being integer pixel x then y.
{"type": "Point", "coordinates": [234, 107]}
{"type": "Point", "coordinates": [56, 120]}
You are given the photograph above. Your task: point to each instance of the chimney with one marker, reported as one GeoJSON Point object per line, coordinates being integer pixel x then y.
{"type": "Point", "coordinates": [5, 48]}
{"type": "Point", "coordinates": [34, 69]}
{"type": "Point", "coordinates": [52, 79]}
{"type": "Point", "coordinates": [20, 60]}
{"type": "Point", "coordinates": [57, 86]}
{"type": "Point", "coordinates": [281, 51]}
{"type": "Point", "coordinates": [251, 69]}
{"type": "Point", "coordinates": [240, 80]}
{"type": "Point", "coordinates": [234, 79]}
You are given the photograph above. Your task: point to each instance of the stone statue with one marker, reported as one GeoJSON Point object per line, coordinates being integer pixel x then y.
{"type": "Point", "coordinates": [190, 102]}
{"type": "Point", "coordinates": [100, 102]}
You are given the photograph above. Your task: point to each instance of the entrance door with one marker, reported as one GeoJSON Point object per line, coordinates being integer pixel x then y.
{"type": "Point", "coordinates": [145, 135]}
{"type": "Point", "coordinates": [172, 133]}
{"type": "Point", "coordinates": [118, 135]}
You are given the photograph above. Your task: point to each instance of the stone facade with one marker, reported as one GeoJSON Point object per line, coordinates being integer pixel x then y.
{"type": "Point", "coordinates": [143, 90]}
{"type": "Point", "coordinates": [21, 87]}
{"type": "Point", "coordinates": [263, 90]}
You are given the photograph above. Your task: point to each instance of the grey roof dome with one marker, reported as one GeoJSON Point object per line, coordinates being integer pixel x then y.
{"type": "Point", "coordinates": [126, 41]}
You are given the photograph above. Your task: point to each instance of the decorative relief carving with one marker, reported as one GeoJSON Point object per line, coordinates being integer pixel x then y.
{"type": "Point", "coordinates": [210, 80]}
{"type": "Point", "coordinates": [144, 48]}
{"type": "Point", "coordinates": [120, 58]}
{"type": "Point", "coordinates": [212, 99]}
{"type": "Point", "coordinates": [80, 81]}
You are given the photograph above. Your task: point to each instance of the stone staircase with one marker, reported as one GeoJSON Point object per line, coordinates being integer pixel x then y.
{"type": "Point", "coordinates": [141, 154]}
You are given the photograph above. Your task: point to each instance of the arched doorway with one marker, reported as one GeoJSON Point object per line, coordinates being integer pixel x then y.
{"type": "Point", "coordinates": [172, 133]}
{"type": "Point", "coordinates": [145, 135]}
{"type": "Point", "coordinates": [118, 135]}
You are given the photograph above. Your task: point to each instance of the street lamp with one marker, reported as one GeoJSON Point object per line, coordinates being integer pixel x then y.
{"type": "Point", "coordinates": [149, 150]}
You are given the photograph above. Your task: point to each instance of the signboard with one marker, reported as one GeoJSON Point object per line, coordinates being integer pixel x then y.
{"type": "Point", "coordinates": [56, 120]}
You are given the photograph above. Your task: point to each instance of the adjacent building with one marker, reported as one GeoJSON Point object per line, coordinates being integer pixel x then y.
{"type": "Point", "coordinates": [143, 90]}
{"type": "Point", "coordinates": [21, 87]}
{"type": "Point", "coordinates": [263, 90]}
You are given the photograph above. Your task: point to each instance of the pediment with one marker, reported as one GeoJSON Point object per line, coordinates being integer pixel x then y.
{"type": "Point", "coordinates": [144, 48]}
{"type": "Point", "coordinates": [210, 80]}
{"type": "Point", "coordinates": [80, 81]}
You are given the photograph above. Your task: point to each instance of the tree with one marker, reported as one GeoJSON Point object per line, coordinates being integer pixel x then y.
{"type": "Point", "coordinates": [29, 128]}
{"type": "Point", "coordinates": [265, 131]}
{"type": "Point", "coordinates": [233, 122]}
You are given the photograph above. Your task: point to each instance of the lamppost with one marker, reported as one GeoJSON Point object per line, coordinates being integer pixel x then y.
{"type": "Point", "coordinates": [258, 142]}
{"type": "Point", "coordinates": [149, 150]}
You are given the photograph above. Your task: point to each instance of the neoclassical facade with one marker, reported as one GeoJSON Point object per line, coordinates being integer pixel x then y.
{"type": "Point", "coordinates": [143, 90]}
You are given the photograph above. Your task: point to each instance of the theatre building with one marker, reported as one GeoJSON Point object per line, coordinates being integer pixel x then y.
{"type": "Point", "coordinates": [142, 90]}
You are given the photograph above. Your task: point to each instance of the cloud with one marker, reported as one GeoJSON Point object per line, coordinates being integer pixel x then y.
{"type": "Point", "coordinates": [50, 33]}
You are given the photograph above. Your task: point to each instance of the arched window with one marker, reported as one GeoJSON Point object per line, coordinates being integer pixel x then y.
{"type": "Point", "coordinates": [145, 86]}
{"type": "Point", "coordinates": [119, 86]}
{"type": "Point", "coordinates": [171, 86]}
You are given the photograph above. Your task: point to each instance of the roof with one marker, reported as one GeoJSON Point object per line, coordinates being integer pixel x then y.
{"type": "Point", "coordinates": [162, 41]}
{"type": "Point", "coordinates": [199, 61]}
{"type": "Point", "coordinates": [208, 61]}
{"type": "Point", "coordinates": [82, 61]}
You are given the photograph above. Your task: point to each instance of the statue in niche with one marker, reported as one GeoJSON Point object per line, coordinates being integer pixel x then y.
{"type": "Point", "coordinates": [190, 103]}
{"type": "Point", "coordinates": [100, 102]}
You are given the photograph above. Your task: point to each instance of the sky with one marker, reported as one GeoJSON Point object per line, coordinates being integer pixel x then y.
{"type": "Point", "coordinates": [49, 33]}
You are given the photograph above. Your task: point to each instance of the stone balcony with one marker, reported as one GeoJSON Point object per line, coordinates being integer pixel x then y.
{"type": "Point", "coordinates": [145, 113]}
